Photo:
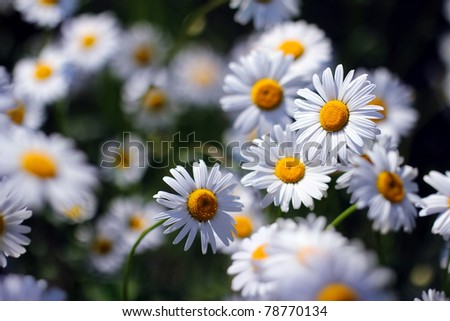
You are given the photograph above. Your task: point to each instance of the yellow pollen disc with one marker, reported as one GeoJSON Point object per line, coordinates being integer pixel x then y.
{"type": "Point", "coordinates": [49, 2]}
{"type": "Point", "coordinates": [244, 226]}
{"type": "Point", "coordinates": [260, 253]}
{"type": "Point", "coordinates": [102, 246]}
{"type": "Point", "coordinates": [154, 99]}
{"type": "Point", "coordinates": [305, 252]}
{"type": "Point", "coordinates": [379, 102]}
{"type": "Point", "coordinates": [290, 170]}
{"type": "Point", "coordinates": [2, 224]}
{"type": "Point", "coordinates": [123, 160]}
{"type": "Point", "coordinates": [17, 114]}
{"type": "Point", "coordinates": [203, 77]}
{"type": "Point", "coordinates": [136, 222]}
{"type": "Point", "coordinates": [88, 41]}
{"type": "Point", "coordinates": [334, 115]}
{"type": "Point", "coordinates": [391, 187]}
{"type": "Point", "coordinates": [74, 213]}
{"type": "Point", "coordinates": [292, 47]}
{"type": "Point", "coordinates": [143, 56]}
{"type": "Point", "coordinates": [448, 202]}
{"type": "Point", "coordinates": [202, 204]}
{"type": "Point", "coordinates": [42, 71]}
{"type": "Point", "coordinates": [39, 164]}
{"type": "Point", "coordinates": [267, 94]}
{"type": "Point", "coordinates": [337, 292]}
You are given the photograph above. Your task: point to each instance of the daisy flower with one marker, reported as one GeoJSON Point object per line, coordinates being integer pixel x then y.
{"type": "Point", "coordinates": [433, 295]}
{"type": "Point", "coordinates": [265, 13]}
{"type": "Point", "coordinates": [75, 208]}
{"type": "Point", "coordinates": [143, 47]}
{"type": "Point", "coordinates": [387, 188]}
{"type": "Point", "coordinates": [247, 266]}
{"type": "Point", "coordinates": [133, 216]}
{"type": "Point", "coordinates": [47, 168]}
{"type": "Point", "coordinates": [15, 287]}
{"type": "Point", "coordinates": [338, 117]}
{"type": "Point", "coordinates": [45, 13]}
{"type": "Point", "coordinates": [90, 40]}
{"type": "Point", "coordinates": [197, 74]}
{"type": "Point", "coordinates": [307, 43]}
{"type": "Point", "coordinates": [148, 99]}
{"type": "Point", "coordinates": [201, 203]}
{"type": "Point", "coordinates": [279, 165]}
{"type": "Point", "coordinates": [396, 100]}
{"type": "Point", "coordinates": [263, 88]}
{"type": "Point", "coordinates": [438, 203]}
{"type": "Point", "coordinates": [12, 213]}
{"type": "Point", "coordinates": [45, 78]}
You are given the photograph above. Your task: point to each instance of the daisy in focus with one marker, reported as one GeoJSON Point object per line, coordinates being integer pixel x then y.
{"type": "Point", "coordinates": [396, 100]}
{"type": "Point", "coordinates": [75, 208]}
{"type": "Point", "coordinates": [263, 89]}
{"type": "Point", "coordinates": [47, 168]}
{"type": "Point", "coordinates": [265, 13]}
{"type": "Point", "coordinates": [438, 203]}
{"type": "Point", "coordinates": [143, 47]}
{"type": "Point", "coordinates": [307, 43]}
{"type": "Point", "coordinates": [387, 188]}
{"type": "Point", "coordinates": [90, 40]}
{"type": "Point", "coordinates": [45, 13]}
{"type": "Point", "coordinates": [44, 79]}
{"type": "Point", "coordinates": [12, 214]}
{"type": "Point", "coordinates": [197, 73]}
{"type": "Point", "coordinates": [433, 295]}
{"type": "Point", "coordinates": [338, 117]}
{"type": "Point", "coordinates": [15, 287]}
{"type": "Point", "coordinates": [201, 203]}
{"type": "Point", "coordinates": [279, 166]}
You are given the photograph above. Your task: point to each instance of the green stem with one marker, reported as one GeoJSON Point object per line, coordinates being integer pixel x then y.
{"type": "Point", "coordinates": [444, 285]}
{"type": "Point", "coordinates": [378, 247]}
{"type": "Point", "coordinates": [131, 254]}
{"type": "Point", "coordinates": [343, 216]}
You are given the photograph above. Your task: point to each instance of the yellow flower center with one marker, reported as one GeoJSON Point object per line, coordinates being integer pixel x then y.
{"type": "Point", "coordinates": [143, 55]}
{"type": "Point", "coordinates": [290, 170]}
{"type": "Point", "coordinates": [379, 102]}
{"type": "Point", "coordinates": [448, 201]}
{"type": "Point", "coordinates": [88, 41]}
{"type": "Point", "coordinates": [17, 114]}
{"type": "Point", "coordinates": [244, 226]}
{"type": "Point", "coordinates": [42, 71]}
{"type": "Point", "coordinates": [305, 252]}
{"type": "Point", "coordinates": [334, 115]}
{"type": "Point", "coordinates": [260, 253]}
{"type": "Point", "coordinates": [154, 99]}
{"type": "Point", "coordinates": [136, 222]}
{"type": "Point", "coordinates": [202, 204]}
{"type": "Point", "coordinates": [391, 187]}
{"type": "Point", "coordinates": [337, 292]}
{"type": "Point", "coordinates": [74, 213]}
{"type": "Point", "coordinates": [2, 224]}
{"type": "Point", "coordinates": [203, 77]}
{"type": "Point", "coordinates": [292, 47]}
{"type": "Point", "coordinates": [49, 2]}
{"type": "Point", "coordinates": [102, 246]}
{"type": "Point", "coordinates": [39, 164]}
{"type": "Point", "coordinates": [267, 94]}
{"type": "Point", "coordinates": [123, 160]}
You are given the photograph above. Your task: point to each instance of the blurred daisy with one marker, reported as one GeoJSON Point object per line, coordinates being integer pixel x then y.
{"type": "Point", "coordinates": [147, 98]}
{"type": "Point", "coordinates": [201, 204]}
{"type": "Point", "coordinates": [387, 188]}
{"type": "Point", "coordinates": [75, 208]}
{"type": "Point", "coordinates": [90, 40]}
{"type": "Point", "coordinates": [265, 13]}
{"type": "Point", "coordinates": [26, 113]}
{"type": "Point", "coordinates": [143, 47]}
{"type": "Point", "coordinates": [337, 117]}
{"type": "Point", "coordinates": [263, 88]}
{"type": "Point", "coordinates": [438, 203]}
{"type": "Point", "coordinates": [44, 79]}
{"type": "Point", "coordinates": [47, 168]}
{"type": "Point", "coordinates": [12, 213]}
{"type": "Point", "coordinates": [432, 295]}
{"type": "Point", "coordinates": [279, 166]}
{"type": "Point", "coordinates": [307, 43]}
{"type": "Point", "coordinates": [133, 216]}
{"type": "Point", "coordinates": [15, 287]}
{"type": "Point", "coordinates": [396, 100]}
{"type": "Point", "coordinates": [197, 74]}
{"type": "Point", "coordinates": [247, 266]}
{"type": "Point", "coordinates": [45, 13]}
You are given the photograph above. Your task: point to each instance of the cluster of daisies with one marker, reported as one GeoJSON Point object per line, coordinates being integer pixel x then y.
{"type": "Point", "coordinates": [303, 119]}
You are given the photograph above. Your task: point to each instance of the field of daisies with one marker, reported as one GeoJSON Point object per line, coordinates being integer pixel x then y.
{"type": "Point", "coordinates": [224, 150]}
